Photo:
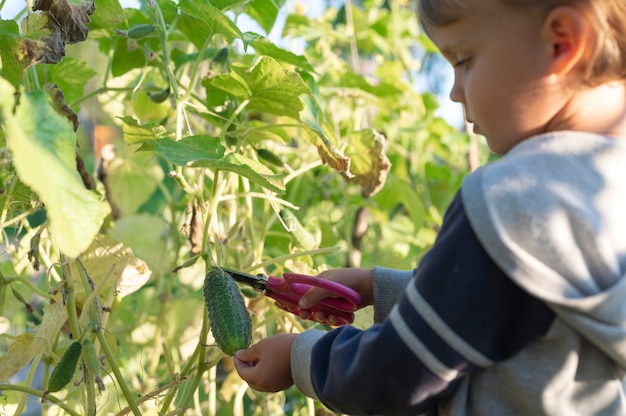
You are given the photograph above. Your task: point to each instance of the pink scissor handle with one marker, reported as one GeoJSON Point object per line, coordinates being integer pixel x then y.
{"type": "Point", "coordinates": [288, 291]}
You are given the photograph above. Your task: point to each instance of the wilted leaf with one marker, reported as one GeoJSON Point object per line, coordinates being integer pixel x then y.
{"type": "Point", "coordinates": [42, 143]}
{"type": "Point", "coordinates": [54, 317]}
{"type": "Point", "coordinates": [21, 351]}
{"type": "Point", "coordinates": [322, 138]}
{"type": "Point", "coordinates": [58, 102]}
{"type": "Point", "coordinates": [369, 162]}
{"type": "Point", "coordinates": [43, 40]}
{"type": "Point", "coordinates": [112, 266]}
{"type": "Point", "coordinates": [60, 22]}
{"type": "Point", "coordinates": [72, 16]}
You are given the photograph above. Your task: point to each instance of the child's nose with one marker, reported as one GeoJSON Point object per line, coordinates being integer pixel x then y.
{"type": "Point", "coordinates": [456, 93]}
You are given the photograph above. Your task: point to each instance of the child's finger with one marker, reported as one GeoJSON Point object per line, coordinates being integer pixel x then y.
{"type": "Point", "coordinates": [312, 297]}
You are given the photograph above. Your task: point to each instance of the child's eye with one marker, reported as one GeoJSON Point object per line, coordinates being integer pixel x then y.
{"type": "Point", "coordinates": [461, 62]}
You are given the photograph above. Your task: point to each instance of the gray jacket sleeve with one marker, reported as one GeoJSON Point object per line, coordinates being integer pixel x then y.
{"type": "Point", "coordinates": [389, 286]}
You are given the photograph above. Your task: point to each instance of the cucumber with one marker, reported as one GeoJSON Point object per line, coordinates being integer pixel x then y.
{"type": "Point", "coordinates": [64, 371]}
{"type": "Point", "coordinates": [90, 358]}
{"type": "Point", "coordinates": [92, 363]}
{"type": "Point", "coordinates": [303, 237]}
{"type": "Point", "coordinates": [141, 31]}
{"type": "Point", "coordinates": [159, 96]}
{"type": "Point", "coordinates": [229, 318]}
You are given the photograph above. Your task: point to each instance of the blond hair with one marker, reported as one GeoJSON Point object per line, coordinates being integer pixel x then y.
{"type": "Point", "coordinates": [607, 61]}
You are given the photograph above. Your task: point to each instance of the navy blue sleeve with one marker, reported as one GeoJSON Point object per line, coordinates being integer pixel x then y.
{"type": "Point", "coordinates": [460, 314]}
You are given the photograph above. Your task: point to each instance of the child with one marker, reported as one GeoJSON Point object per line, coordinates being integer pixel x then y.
{"type": "Point", "coordinates": [519, 308]}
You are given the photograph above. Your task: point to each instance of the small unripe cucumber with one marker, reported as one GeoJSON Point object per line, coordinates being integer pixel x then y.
{"type": "Point", "coordinates": [141, 31]}
{"type": "Point", "coordinates": [64, 371]}
{"type": "Point", "coordinates": [90, 358]}
{"type": "Point", "coordinates": [229, 318]}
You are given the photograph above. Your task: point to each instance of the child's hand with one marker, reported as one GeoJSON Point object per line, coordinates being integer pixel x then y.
{"type": "Point", "coordinates": [266, 366]}
{"type": "Point", "coordinates": [358, 279]}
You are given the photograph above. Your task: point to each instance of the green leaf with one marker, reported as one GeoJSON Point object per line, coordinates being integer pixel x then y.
{"type": "Point", "coordinates": [267, 85]}
{"type": "Point", "coordinates": [13, 59]}
{"type": "Point", "coordinates": [264, 12]}
{"type": "Point", "coordinates": [187, 150]}
{"type": "Point", "coordinates": [135, 133]}
{"type": "Point", "coordinates": [200, 20]}
{"type": "Point", "coordinates": [263, 46]}
{"type": "Point", "coordinates": [207, 152]}
{"type": "Point", "coordinates": [70, 75]}
{"type": "Point", "coordinates": [42, 143]}
{"type": "Point", "coordinates": [227, 4]}
{"type": "Point", "coordinates": [126, 58]}
{"type": "Point", "coordinates": [145, 235]}
{"type": "Point", "coordinates": [107, 16]}
{"type": "Point", "coordinates": [246, 167]}
{"type": "Point", "coordinates": [132, 181]}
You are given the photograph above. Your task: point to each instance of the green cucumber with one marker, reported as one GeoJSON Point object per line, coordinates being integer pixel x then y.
{"type": "Point", "coordinates": [90, 358]}
{"type": "Point", "coordinates": [141, 31]}
{"type": "Point", "coordinates": [229, 318]}
{"type": "Point", "coordinates": [64, 371]}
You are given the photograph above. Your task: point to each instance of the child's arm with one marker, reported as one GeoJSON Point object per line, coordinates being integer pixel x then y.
{"type": "Point", "coordinates": [380, 287]}
{"type": "Point", "coordinates": [458, 315]}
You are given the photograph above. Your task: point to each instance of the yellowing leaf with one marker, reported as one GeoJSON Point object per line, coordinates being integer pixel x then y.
{"type": "Point", "coordinates": [21, 351]}
{"type": "Point", "coordinates": [54, 317]}
{"type": "Point", "coordinates": [112, 266]}
{"type": "Point", "coordinates": [369, 163]}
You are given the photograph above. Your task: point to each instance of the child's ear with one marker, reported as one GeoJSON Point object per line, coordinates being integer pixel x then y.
{"type": "Point", "coordinates": [568, 35]}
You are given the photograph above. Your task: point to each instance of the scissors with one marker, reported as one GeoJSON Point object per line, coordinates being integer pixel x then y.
{"type": "Point", "coordinates": [288, 290]}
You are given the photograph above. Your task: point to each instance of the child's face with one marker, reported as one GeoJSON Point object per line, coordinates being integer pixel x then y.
{"type": "Point", "coordinates": [501, 72]}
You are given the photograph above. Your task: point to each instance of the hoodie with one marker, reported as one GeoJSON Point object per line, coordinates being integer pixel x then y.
{"type": "Point", "coordinates": [518, 309]}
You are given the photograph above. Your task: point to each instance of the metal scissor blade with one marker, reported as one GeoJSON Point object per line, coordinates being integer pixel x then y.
{"type": "Point", "coordinates": [258, 282]}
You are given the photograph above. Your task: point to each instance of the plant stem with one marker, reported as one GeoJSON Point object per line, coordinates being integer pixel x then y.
{"type": "Point", "coordinates": [171, 385]}
{"type": "Point", "coordinates": [39, 393]}
{"type": "Point", "coordinates": [90, 400]}
{"type": "Point", "coordinates": [29, 380]}
{"type": "Point", "coordinates": [202, 365]}
{"type": "Point", "coordinates": [212, 374]}
{"type": "Point", "coordinates": [106, 349]}
{"type": "Point", "coordinates": [28, 283]}
{"type": "Point", "coordinates": [71, 297]}
{"type": "Point", "coordinates": [186, 370]}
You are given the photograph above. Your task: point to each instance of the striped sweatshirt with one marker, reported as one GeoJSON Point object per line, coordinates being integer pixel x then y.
{"type": "Point", "coordinates": [519, 308]}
